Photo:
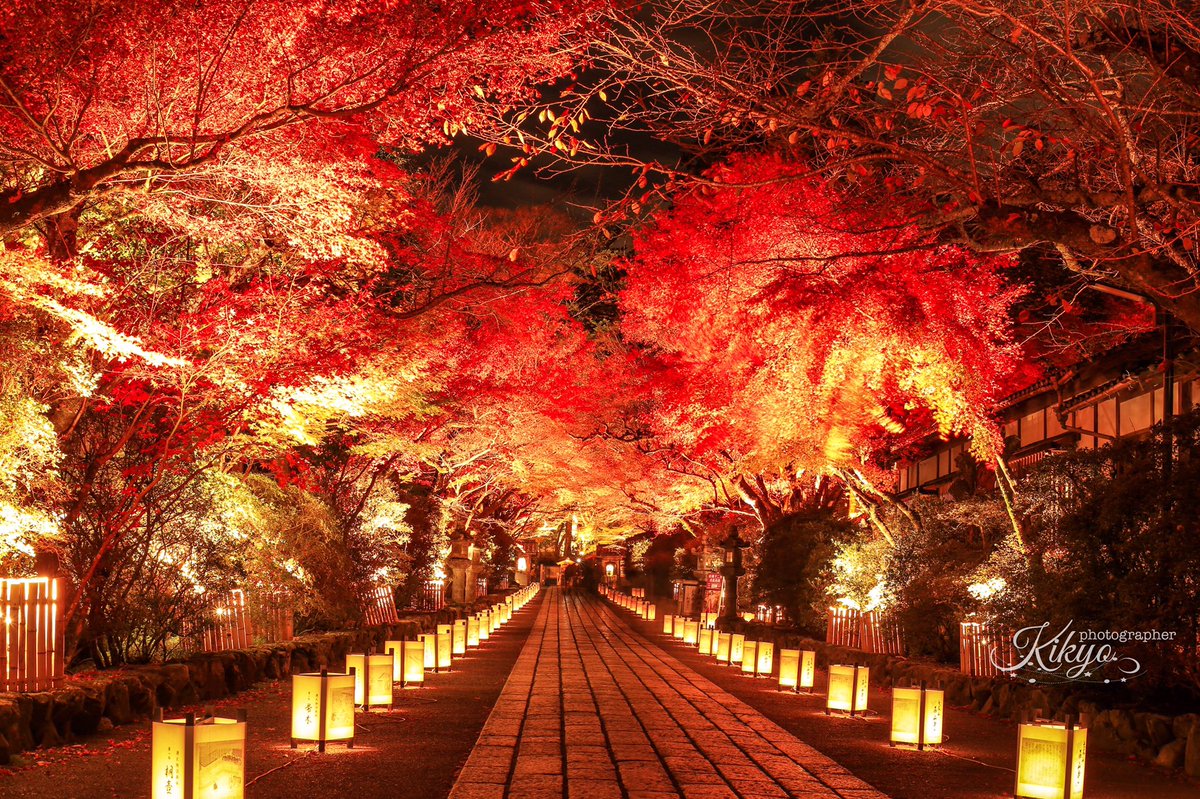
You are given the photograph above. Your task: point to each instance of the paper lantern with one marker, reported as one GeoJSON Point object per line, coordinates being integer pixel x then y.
{"type": "Point", "coordinates": [651, 612]}
{"type": "Point", "coordinates": [522, 564]}
{"type": "Point", "coordinates": [485, 626]}
{"type": "Point", "coordinates": [1050, 760]}
{"type": "Point", "coordinates": [917, 716]}
{"type": "Point", "coordinates": [737, 644]}
{"type": "Point", "coordinates": [723, 646]}
{"type": "Point", "coordinates": [460, 637]}
{"type": "Point", "coordinates": [408, 662]}
{"type": "Point", "coordinates": [680, 628]}
{"type": "Point", "coordinates": [691, 632]}
{"type": "Point", "coordinates": [766, 659]}
{"type": "Point", "coordinates": [708, 620]}
{"type": "Point", "coordinates": [796, 669]}
{"type": "Point", "coordinates": [203, 759]}
{"type": "Point", "coordinates": [429, 640]}
{"type": "Point", "coordinates": [472, 631]}
{"type": "Point", "coordinates": [322, 708]}
{"type": "Point", "coordinates": [706, 641]}
{"type": "Point", "coordinates": [668, 624]}
{"type": "Point", "coordinates": [847, 689]}
{"type": "Point", "coordinates": [372, 679]}
{"type": "Point", "coordinates": [445, 646]}
{"type": "Point", "coordinates": [749, 656]}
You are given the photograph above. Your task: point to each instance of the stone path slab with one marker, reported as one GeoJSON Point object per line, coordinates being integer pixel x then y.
{"type": "Point", "coordinates": [594, 710]}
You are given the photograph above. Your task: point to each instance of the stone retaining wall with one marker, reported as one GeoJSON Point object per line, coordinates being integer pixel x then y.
{"type": "Point", "coordinates": [100, 700]}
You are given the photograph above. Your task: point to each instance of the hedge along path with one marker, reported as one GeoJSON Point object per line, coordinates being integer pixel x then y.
{"type": "Point", "coordinates": [593, 710]}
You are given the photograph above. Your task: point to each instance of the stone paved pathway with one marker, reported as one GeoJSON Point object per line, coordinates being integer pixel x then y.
{"type": "Point", "coordinates": [593, 710]}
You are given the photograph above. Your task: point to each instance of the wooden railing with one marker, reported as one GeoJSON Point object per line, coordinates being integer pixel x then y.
{"type": "Point", "coordinates": [32, 649]}
{"type": "Point", "coordinates": [872, 631]}
{"type": "Point", "coordinates": [981, 646]}
{"type": "Point", "coordinates": [228, 624]}
{"type": "Point", "coordinates": [380, 606]}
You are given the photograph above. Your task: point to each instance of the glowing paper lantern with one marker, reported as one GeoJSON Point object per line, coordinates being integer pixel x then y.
{"type": "Point", "coordinates": [485, 626]}
{"type": "Point", "coordinates": [1050, 760]}
{"type": "Point", "coordinates": [651, 612]}
{"type": "Point", "coordinates": [408, 661]}
{"type": "Point", "coordinates": [706, 641]}
{"type": "Point", "coordinates": [737, 645]}
{"type": "Point", "coordinates": [708, 620]}
{"type": "Point", "coordinates": [680, 628]}
{"type": "Point", "coordinates": [472, 631]}
{"type": "Point", "coordinates": [460, 637]}
{"type": "Point", "coordinates": [192, 759]}
{"type": "Point", "coordinates": [445, 646]}
{"type": "Point", "coordinates": [429, 640]}
{"type": "Point", "coordinates": [372, 679]}
{"type": "Point", "coordinates": [724, 641]}
{"type": "Point", "coordinates": [766, 659]}
{"type": "Point", "coordinates": [668, 624]}
{"type": "Point", "coordinates": [691, 632]}
{"type": "Point", "coordinates": [917, 716]}
{"type": "Point", "coordinates": [796, 669]}
{"type": "Point", "coordinates": [847, 689]}
{"type": "Point", "coordinates": [322, 708]}
{"type": "Point", "coordinates": [749, 656]}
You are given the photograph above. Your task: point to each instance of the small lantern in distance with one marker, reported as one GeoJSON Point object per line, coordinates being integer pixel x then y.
{"type": "Point", "coordinates": [917, 716]}
{"type": "Point", "coordinates": [749, 656]}
{"type": "Point", "coordinates": [724, 641]}
{"type": "Point", "coordinates": [1050, 760]}
{"type": "Point", "coordinates": [706, 641]}
{"type": "Point", "coordinates": [737, 643]}
{"type": "Point", "coordinates": [766, 659]}
{"type": "Point", "coordinates": [408, 662]}
{"type": "Point", "coordinates": [472, 632]}
{"type": "Point", "coordinates": [445, 646]}
{"type": "Point", "coordinates": [460, 637]}
{"type": "Point", "coordinates": [668, 624]}
{"type": "Point", "coordinates": [203, 759]}
{"type": "Point", "coordinates": [847, 689]}
{"type": "Point", "coordinates": [323, 708]}
{"type": "Point", "coordinates": [372, 679]}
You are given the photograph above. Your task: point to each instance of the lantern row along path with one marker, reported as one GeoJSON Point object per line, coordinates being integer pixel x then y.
{"type": "Point", "coordinates": [593, 710]}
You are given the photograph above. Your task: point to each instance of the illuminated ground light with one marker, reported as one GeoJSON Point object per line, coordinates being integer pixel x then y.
{"type": "Point", "coordinates": [1050, 760]}
{"type": "Point", "coordinates": [917, 716]}
{"type": "Point", "coordinates": [198, 759]}
{"type": "Point", "coordinates": [322, 709]}
{"type": "Point", "coordinates": [847, 689]}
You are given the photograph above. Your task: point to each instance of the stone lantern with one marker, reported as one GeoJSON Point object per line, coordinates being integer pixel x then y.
{"type": "Point", "coordinates": [731, 570]}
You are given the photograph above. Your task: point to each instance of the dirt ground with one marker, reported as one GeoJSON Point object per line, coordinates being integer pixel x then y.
{"type": "Point", "coordinates": [426, 738]}
{"type": "Point", "coordinates": [977, 761]}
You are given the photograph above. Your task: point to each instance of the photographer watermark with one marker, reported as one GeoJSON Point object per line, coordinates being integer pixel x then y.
{"type": "Point", "coordinates": [1065, 654]}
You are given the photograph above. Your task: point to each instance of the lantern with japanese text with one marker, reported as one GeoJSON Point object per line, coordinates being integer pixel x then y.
{"type": "Point", "coordinates": [917, 716]}
{"type": "Point", "coordinates": [460, 637]}
{"type": "Point", "coordinates": [1050, 760]}
{"type": "Point", "coordinates": [847, 689]}
{"type": "Point", "coordinates": [796, 669]}
{"type": "Point", "coordinates": [198, 759]}
{"type": "Point", "coordinates": [408, 662]}
{"type": "Point", "coordinates": [737, 644]}
{"type": "Point", "coordinates": [749, 656]}
{"type": "Point", "coordinates": [445, 646]}
{"type": "Point", "coordinates": [724, 641]}
{"type": "Point", "coordinates": [322, 708]}
{"type": "Point", "coordinates": [372, 679]}
{"type": "Point", "coordinates": [766, 659]}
